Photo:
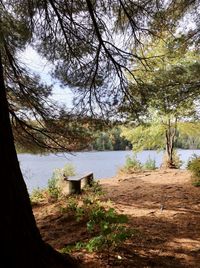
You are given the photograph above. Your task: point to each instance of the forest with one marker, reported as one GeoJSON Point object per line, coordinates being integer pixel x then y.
{"type": "Point", "coordinates": [129, 62]}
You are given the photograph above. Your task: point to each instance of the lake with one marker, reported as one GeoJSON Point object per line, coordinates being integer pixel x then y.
{"type": "Point", "coordinates": [37, 169]}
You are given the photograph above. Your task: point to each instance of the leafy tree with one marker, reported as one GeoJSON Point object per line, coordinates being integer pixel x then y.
{"type": "Point", "coordinates": [173, 81]}
{"type": "Point", "coordinates": [76, 37]}
{"type": "Point", "coordinates": [160, 133]}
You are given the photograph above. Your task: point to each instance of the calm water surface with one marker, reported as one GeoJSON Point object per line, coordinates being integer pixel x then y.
{"type": "Point", "coordinates": [38, 169]}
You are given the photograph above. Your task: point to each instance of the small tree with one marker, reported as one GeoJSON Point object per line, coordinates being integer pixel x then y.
{"type": "Point", "coordinates": [168, 83]}
{"type": "Point", "coordinates": [160, 133]}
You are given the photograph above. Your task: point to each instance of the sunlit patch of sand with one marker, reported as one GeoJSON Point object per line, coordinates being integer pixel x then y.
{"type": "Point", "coordinates": [186, 243]}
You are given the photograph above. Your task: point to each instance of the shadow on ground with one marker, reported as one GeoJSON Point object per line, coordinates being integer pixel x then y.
{"type": "Point", "coordinates": [165, 215]}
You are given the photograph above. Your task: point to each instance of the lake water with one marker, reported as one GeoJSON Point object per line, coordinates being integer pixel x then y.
{"type": "Point", "coordinates": [38, 169]}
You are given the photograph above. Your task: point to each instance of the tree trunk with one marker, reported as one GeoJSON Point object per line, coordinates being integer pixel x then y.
{"type": "Point", "coordinates": [22, 245]}
{"type": "Point", "coordinates": [170, 139]}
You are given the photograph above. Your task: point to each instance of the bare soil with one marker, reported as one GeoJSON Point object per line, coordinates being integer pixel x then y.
{"type": "Point", "coordinates": [162, 206]}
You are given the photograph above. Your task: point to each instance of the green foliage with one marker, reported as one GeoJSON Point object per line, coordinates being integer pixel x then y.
{"type": "Point", "coordinates": [150, 164]}
{"type": "Point", "coordinates": [187, 141]}
{"type": "Point", "coordinates": [53, 190]}
{"type": "Point", "coordinates": [188, 135]}
{"type": "Point", "coordinates": [153, 136]}
{"type": "Point", "coordinates": [72, 204]}
{"type": "Point", "coordinates": [93, 190]}
{"type": "Point", "coordinates": [69, 170]}
{"type": "Point", "coordinates": [55, 183]}
{"type": "Point", "coordinates": [149, 136]}
{"type": "Point", "coordinates": [170, 84]}
{"type": "Point", "coordinates": [37, 196]}
{"type": "Point", "coordinates": [57, 175]}
{"type": "Point", "coordinates": [96, 188]}
{"type": "Point", "coordinates": [110, 140]}
{"type": "Point", "coordinates": [132, 164]}
{"type": "Point", "coordinates": [105, 226]}
{"type": "Point", "coordinates": [111, 227]}
{"type": "Point", "coordinates": [194, 167]}
{"type": "Point", "coordinates": [177, 162]}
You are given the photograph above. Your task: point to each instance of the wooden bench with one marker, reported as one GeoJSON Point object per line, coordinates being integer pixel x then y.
{"type": "Point", "coordinates": [76, 183]}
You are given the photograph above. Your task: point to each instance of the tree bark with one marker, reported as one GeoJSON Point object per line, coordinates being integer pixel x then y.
{"type": "Point", "coordinates": [170, 139]}
{"type": "Point", "coordinates": [22, 245]}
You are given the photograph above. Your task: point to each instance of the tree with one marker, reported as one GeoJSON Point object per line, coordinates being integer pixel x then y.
{"type": "Point", "coordinates": [160, 133]}
{"type": "Point", "coordinates": [74, 36]}
{"type": "Point", "coordinates": [173, 81]}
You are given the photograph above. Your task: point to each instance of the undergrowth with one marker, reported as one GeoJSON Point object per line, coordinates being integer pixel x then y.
{"type": "Point", "coordinates": [132, 164]}
{"type": "Point", "coordinates": [37, 196]}
{"type": "Point", "coordinates": [105, 227]}
{"type": "Point", "coordinates": [58, 176]}
{"type": "Point", "coordinates": [194, 167]}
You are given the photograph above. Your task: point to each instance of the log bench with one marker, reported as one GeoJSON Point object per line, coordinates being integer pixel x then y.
{"type": "Point", "coordinates": [76, 183]}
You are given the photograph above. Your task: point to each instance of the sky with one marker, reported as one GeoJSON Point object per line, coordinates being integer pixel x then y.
{"type": "Point", "coordinates": [42, 67]}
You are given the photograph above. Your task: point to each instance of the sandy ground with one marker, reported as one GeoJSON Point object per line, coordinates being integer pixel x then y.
{"type": "Point", "coordinates": [161, 205]}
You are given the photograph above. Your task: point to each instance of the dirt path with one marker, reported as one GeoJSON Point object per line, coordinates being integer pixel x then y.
{"type": "Point", "coordinates": [164, 208]}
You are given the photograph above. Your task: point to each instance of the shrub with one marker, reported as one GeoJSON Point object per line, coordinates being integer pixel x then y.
{"type": "Point", "coordinates": [72, 204]}
{"type": "Point", "coordinates": [55, 183]}
{"type": "Point", "coordinates": [150, 164]}
{"type": "Point", "coordinates": [177, 162]}
{"type": "Point", "coordinates": [37, 196]}
{"type": "Point", "coordinates": [69, 170]}
{"type": "Point", "coordinates": [53, 190]}
{"type": "Point", "coordinates": [132, 164]}
{"type": "Point", "coordinates": [106, 227]}
{"type": "Point", "coordinates": [194, 167]}
{"type": "Point", "coordinates": [111, 229]}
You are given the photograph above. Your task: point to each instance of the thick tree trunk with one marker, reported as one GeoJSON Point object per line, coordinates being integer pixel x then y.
{"type": "Point", "coordinates": [21, 243]}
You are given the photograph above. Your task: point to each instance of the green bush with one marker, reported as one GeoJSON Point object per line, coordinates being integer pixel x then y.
{"type": "Point", "coordinates": [111, 229]}
{"type": "Point", "coordinates": [194, 167]}
{"type": "Point", "coordinates": [53, 190]}
{"type": "Point", "coordinates": [69, 170]}
{"type": "Point", "coordinates": [37, 195]}
{"type": "Point", "coordinates": [106, 227]}
{"type": "Point", "coordinates": [150, 164]}
{"type": "Point", "coordinates": [72, 204]}
{"type": "Point", "coordinates": [132, 164]}
{"type": "Point", "coordinates": [54, 185]}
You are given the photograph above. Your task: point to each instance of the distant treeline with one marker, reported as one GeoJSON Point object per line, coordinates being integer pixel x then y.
{"type": "Point", "coordinates": [110, 139]}
{"type": "Point", "coordinates": [188, 142]}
